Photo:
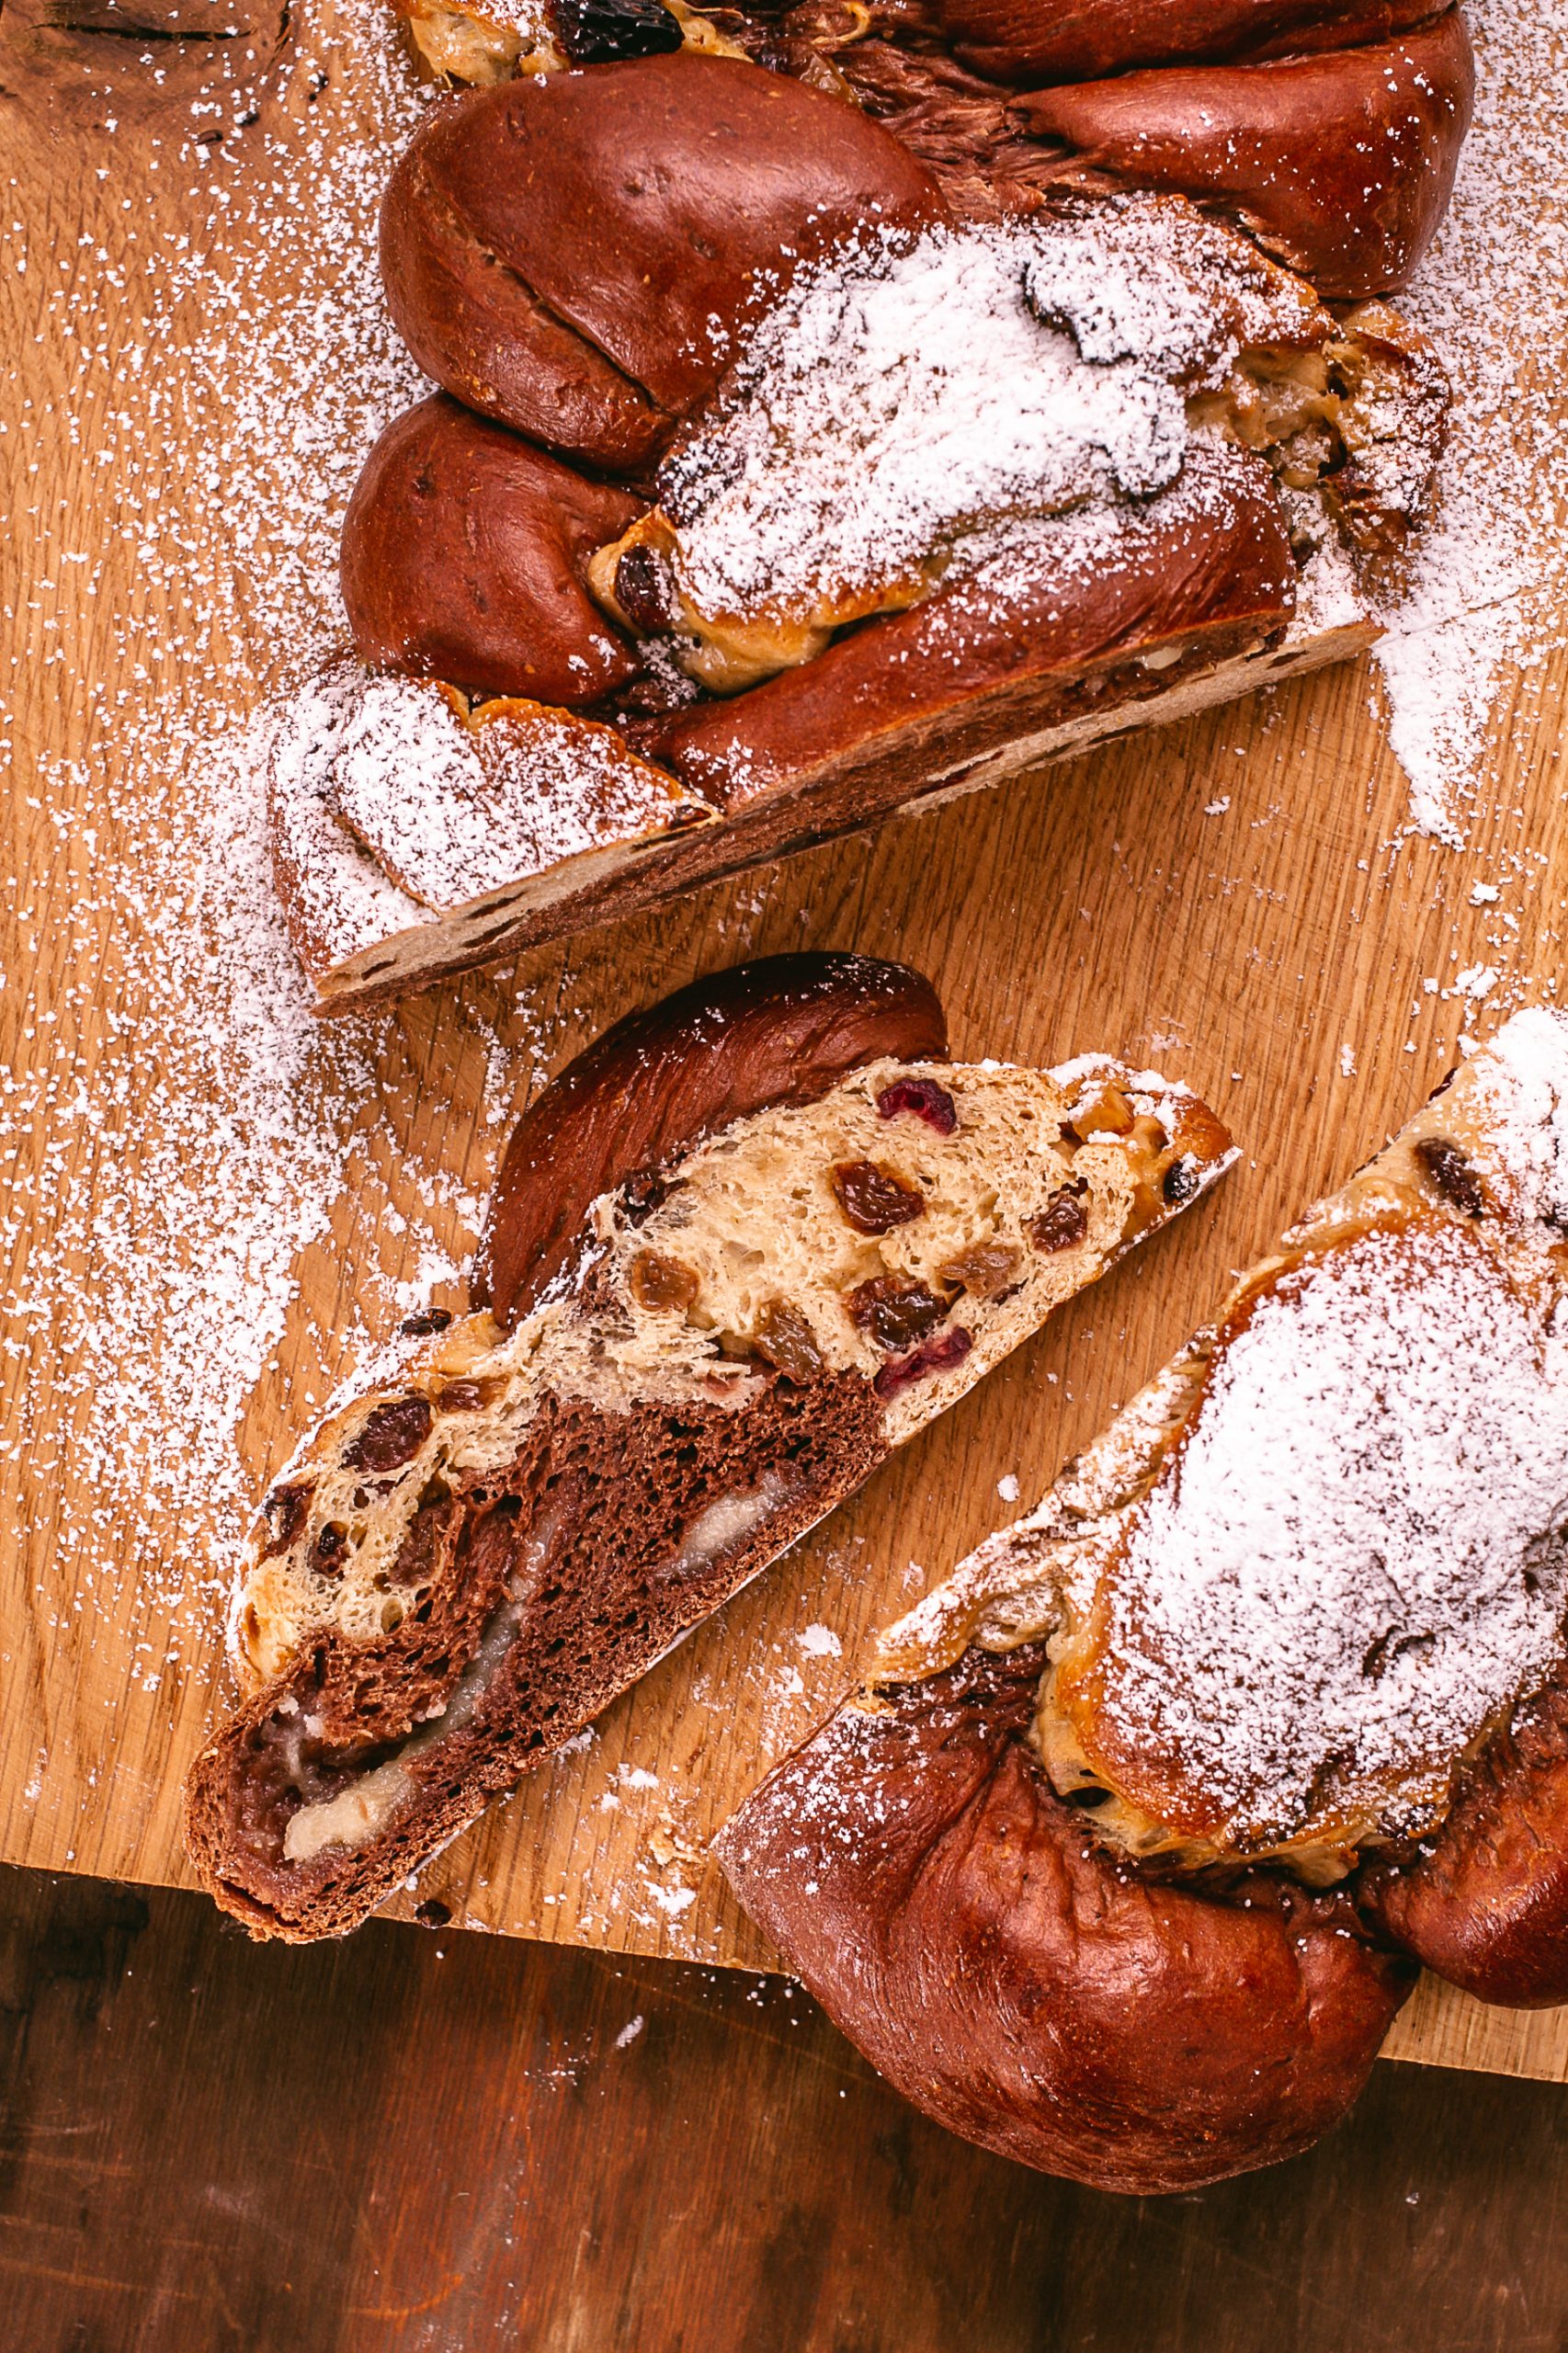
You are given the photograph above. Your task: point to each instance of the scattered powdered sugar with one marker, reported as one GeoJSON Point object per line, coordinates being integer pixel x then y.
{"type": "Point", "coordinates": [173, 1166]}
{"type": "Point", "coordinates": [1489, 576]}
{"type": "Point", "coordinates": [905, 398]}
{"type": "Point", "coordinates": [1357, 1560]}
{"type": "Point", "coordinates": [1043, 563]}
{"type": "Point", "coordinates": [343, 902]}
{"type": "Point", "coordinates": [170, 1172]}
{"type": "Point", "coordinates": [528, 18]}
{"type": "Point", "coordinates": [671, 1901]}
{"type": "Point", "coordinates": [1521, 1080]}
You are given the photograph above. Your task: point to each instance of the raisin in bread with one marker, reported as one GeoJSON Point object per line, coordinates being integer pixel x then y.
{"type": "Point", "coordinates": [752, 1241]}
{"type": "Point", "coordinates": [1277, 1663]}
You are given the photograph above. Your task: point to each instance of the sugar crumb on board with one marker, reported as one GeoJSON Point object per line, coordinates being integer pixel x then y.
{"type": "Point", "coordinates": [1489, 575]}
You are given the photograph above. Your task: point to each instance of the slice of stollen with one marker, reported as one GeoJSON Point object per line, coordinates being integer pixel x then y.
{"type": "Point", "coordinates": [746, 1245]}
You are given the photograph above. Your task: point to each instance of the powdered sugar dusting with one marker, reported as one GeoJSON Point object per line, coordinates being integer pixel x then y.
{"type": "Point", "coordinates": [904, 399]}
{"type": "Point", "coordinates": [150, 1286]}
{"type": "Point", "coordinates": [453, 812]}
{"type": "Point", "coordinates": [344, 900]}
{"type": "Point", "coordinates": [1354, 1562]}
{"type": "Point", "coordinates": [1521, 1078]}
{"type": "Point", "coordinates": [1490, 577]}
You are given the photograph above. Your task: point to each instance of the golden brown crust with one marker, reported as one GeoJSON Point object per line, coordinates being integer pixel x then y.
{"type": "Point", "coordinates": [1443, 1204]}
{"type": "Point", "coordinates": [464, 550]}
{"type": "Point", "coordinates": [517, 235]}
{"type": "Point", "coordinates": [590, 302]}
{"type": "Point", "coordinates": [955, 1863]}
{"type": "Point", "coordinates": [1087, 1723]}
{"type": "Point", "coordinates": [780, 1030]}
{"type": "Point", "coordinates": [954, 1917]}
{"type": "Point", "coordinates": [1484, 1901]}
{"type": "Point", "coordinates": [1018, 40]}
{"type": "Point", "coordinates": [1331, 129]}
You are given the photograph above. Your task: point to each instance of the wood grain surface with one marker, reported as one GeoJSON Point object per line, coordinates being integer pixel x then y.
{"type": "Point", "coordinates": [413, 2143]}
{"type": "Point", "coordinates": [1231, 899]}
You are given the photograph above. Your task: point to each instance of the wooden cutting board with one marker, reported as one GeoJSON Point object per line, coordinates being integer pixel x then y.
{"type": "Point", "coordinates": [1228, 899]}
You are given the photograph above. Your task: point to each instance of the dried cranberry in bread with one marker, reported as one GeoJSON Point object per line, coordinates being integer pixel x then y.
{"type": "Point", "coordinates": [1294, 1623]}
{"type": "Point", "coordinates": [512, 1515]}
{"type": "Point", "coordinates": [776, 1032]}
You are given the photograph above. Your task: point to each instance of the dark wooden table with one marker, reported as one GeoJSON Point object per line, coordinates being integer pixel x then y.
{"type": "Point", "coordinates": [422, 2142]}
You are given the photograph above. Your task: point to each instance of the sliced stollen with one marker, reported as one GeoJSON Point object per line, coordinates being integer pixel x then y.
{"type": "Point", "coordinates": [1116, 1859]}
{"type": "Point", "coordinates": [748, 1244]}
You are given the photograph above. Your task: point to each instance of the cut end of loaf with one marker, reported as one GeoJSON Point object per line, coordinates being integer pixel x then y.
{"type": "Point", "coordinates": [411, 838]}
{"type": "Point", "coordinates": [362, 941]}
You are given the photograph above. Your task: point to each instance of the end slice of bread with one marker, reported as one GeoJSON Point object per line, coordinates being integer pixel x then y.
{"type": "Point", "coordinates": [501, 1525]}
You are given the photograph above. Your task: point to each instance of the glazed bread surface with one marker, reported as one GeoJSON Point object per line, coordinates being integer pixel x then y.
{"type": "Point", "coordinates": [1330, 132]}
{"type": "Point", "coordinates": [885, 502]}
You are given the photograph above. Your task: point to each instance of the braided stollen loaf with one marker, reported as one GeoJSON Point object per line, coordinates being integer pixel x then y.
{"type": "Point", "coordinates": [774, 487]}
{"type": "Point", "coordinates": [1329, 129]}
{"type": "Point", "coordinates": [1122, 1861]}
{"type": "Point", "coordinates": [746, 1244]}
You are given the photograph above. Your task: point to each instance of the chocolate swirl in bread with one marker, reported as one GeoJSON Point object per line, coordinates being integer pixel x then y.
{"type": "Point", "coordinates": [750, 1242]}
{"type": "Point", "coordinates": [1281, 1655]}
